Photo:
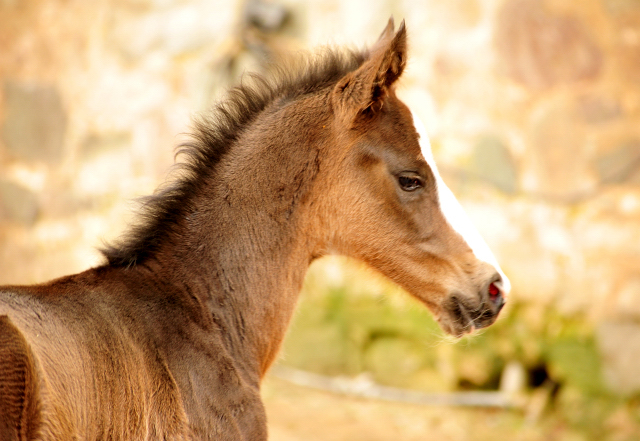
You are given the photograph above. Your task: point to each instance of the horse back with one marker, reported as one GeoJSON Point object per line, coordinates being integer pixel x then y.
{"type": "Point", "coordinates": [19, 401]}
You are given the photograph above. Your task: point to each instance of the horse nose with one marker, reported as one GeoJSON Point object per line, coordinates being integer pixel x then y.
{"type": "Point", "coordinates": [496, 293]}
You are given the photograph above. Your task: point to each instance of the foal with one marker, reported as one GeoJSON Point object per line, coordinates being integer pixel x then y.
{"type": "Point", "coordinates": [171, 336]}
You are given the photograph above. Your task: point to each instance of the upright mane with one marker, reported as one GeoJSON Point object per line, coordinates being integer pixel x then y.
{"type": "Point", "coordinates": [213, 135]}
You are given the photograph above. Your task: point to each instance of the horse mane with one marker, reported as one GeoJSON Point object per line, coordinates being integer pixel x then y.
{"type": "Point", "coordinates": [213, 135]}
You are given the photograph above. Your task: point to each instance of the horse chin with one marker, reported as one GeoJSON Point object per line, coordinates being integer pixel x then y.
{"type": "Point", "coordinates": [459, 316]}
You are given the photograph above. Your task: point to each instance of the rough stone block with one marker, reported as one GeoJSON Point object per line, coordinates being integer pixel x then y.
{"type": "Point", "coordinates": [541, 49]}
{"type": "Point", "coordinates": [172, 31]}
{"type": "Point", "coordinates": [620, 165]}
{"type": "Point", "coordinates": [621, 6]}
{"type": "Point", "coordinates": [594, 109]}
{"type": "Point", "coordinates": [558, 150]}
{"type": "Point", "coordinates": [17, 204]}
{"type": "Point", "coordinates": [35, 122]}
{"type": "Point", "coordinates": [96, 144]}
{"type": "Point", "coordinates": [492, 162]}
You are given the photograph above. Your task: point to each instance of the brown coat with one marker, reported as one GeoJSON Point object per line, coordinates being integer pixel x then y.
{"type": "Point", "coordinates": [170, 338]}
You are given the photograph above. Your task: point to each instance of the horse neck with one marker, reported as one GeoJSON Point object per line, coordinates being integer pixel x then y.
{"type": "Point", "coordinates": [248, 243]}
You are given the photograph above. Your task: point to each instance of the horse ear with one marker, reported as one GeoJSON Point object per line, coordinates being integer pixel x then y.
{"type": "Point", "coordinates": [388, 31]}
{"type": "Point", "coordinates": [365, 89]}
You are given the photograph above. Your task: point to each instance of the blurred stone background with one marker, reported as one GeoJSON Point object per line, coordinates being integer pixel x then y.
{"type": "Point", "coordinates": [533, 107]}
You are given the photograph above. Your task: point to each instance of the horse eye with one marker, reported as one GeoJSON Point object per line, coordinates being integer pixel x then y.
{"type": "Point", "coordinates": [410, 183]}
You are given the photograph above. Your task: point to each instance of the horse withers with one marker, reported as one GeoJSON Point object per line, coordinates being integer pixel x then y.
{"type": "Point", "coordinates": [171, 336]}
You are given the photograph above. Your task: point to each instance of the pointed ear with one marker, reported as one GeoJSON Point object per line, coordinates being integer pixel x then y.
{"type": "Point", "coordinates": [365, 89]}
{"type": "Point", "coordinates": [388, 31]}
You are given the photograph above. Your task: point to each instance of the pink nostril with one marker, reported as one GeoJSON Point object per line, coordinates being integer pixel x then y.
{"type": "Point", "coordinates": [494, 291]}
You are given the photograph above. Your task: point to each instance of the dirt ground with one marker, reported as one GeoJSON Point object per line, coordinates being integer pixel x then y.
{"type": "Point", "coordinates": [298, 413]}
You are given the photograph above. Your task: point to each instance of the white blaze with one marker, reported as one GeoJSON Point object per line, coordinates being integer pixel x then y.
{"type": "Point", "coordinates": [453, 211]}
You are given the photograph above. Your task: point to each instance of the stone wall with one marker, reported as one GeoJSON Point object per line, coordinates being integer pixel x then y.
{"type": "Point", "coordinates": [533, 108]}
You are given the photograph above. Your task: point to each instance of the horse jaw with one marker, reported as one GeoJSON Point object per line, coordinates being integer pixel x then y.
{"type": "Point", "coordinates": [455, 214]}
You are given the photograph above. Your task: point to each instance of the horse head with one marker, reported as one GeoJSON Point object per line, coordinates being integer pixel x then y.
{"type": "Point", "coordinates": [389, 206]}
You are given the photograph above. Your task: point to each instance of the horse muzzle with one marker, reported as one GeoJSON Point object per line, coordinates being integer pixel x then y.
{"type": "Point", "coordinates": [462, 314]}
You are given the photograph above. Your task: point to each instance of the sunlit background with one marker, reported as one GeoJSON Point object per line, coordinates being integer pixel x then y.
{"type": "Point", "coordinates": [533, 108]}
